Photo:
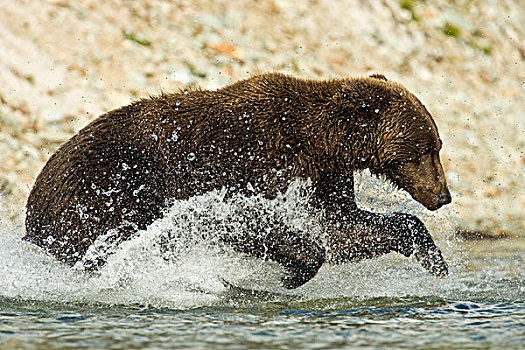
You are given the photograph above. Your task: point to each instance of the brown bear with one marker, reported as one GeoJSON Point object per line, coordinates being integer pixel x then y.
{"type": "Point", "coordinates": [254, 136]}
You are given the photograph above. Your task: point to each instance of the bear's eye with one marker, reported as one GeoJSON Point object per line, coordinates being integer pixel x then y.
{"type": "Point", "coordinates": [413, 158]}
{"type": "Point", "coordinates": [398, 163]}
{"type": "Point", "coordinates": [427, 150]}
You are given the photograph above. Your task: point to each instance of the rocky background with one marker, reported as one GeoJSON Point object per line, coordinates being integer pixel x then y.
{"type": "Point", "coordinates": [64, 62]}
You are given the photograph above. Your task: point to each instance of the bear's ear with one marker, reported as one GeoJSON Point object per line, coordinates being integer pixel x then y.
{"type": "Point", "coordinates": [378, 76]}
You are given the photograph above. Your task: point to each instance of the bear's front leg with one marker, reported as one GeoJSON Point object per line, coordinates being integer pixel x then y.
{"type": "Point", "coordinates": [301, 255]}
{"type": "Point", "coordinates": [363, 235]}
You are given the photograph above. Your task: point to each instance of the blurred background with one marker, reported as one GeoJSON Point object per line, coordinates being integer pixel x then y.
{"type": "Point", "coordinates": [64, 62]}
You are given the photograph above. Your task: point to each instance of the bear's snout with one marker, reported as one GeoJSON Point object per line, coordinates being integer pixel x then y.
{"type": "Point", "coordinates": [443, 198]}
{"type": "Point", "coordinates": [429, 198]}
{"type": "Point", "coordinates": [425, 181]}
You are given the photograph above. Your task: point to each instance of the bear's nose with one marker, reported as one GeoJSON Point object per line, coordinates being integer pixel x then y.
{"type": "Point", "coordinates": [444, 198]}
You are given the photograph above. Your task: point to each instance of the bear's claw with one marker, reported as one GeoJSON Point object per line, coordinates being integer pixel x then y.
{"type": "Point", "coordinates": [432, 261]}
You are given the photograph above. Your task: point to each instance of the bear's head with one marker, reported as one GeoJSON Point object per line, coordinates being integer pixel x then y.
{"type": "Point", "coordinates": [405, 140]}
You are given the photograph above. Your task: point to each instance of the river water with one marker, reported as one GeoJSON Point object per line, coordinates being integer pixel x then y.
{"type": "Point", "coordinates": [207, 298]}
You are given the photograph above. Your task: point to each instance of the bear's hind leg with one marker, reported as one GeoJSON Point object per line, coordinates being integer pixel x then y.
{"type": "Point", "coordinates": [301, 255]}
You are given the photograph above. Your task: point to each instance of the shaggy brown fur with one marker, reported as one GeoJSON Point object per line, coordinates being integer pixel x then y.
{"type": "Point", "coordinates": [259, 134]}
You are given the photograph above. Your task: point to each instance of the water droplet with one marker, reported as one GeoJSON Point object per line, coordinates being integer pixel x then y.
{"type": "Point", "coordinates": [174, 137]}
{"type": "Point", "coordinates": [191, 156]}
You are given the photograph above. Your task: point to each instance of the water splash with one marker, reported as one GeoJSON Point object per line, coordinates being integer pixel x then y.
{"type": "Point", "coordinates": [196, 272]}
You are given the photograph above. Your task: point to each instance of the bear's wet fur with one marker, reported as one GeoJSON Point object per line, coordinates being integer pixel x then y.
{"type": "Point", "coordinates": [116, 175]}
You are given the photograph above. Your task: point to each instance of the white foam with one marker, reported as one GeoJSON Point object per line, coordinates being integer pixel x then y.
{"type": "Point", "coordinates": [139, 273]}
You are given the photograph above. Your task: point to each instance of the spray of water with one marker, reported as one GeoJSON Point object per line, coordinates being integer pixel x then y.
{"type": "Point", "coordinates": [178, 262]}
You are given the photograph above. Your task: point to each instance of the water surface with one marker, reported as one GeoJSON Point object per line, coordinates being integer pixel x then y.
{"type": "Point", "coordinates": [210, 298]}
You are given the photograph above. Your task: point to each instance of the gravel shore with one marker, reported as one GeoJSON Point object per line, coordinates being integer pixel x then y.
{"type": "Point", "coordinates": [64, 62]}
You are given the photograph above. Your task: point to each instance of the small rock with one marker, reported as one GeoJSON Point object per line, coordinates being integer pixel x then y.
{"type": "Point", "coordinates": [138, 78]}
{"type": "Point", "coordinates": [52, 115]}
{"type": "Point", "coordinates": [181, 76]}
